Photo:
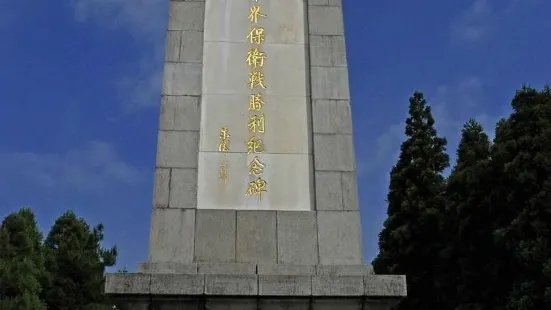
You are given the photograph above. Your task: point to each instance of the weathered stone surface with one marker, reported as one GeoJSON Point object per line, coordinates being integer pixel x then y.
{"type": "Point", "coordinates": [349, 191]}
{"type": "Point", "coordinates": [344, 270]}
{"type": "Point", "coordinates": [183, 189]}
{"type": "Point", "coordinates": [177, 149]}
{"type": "Point", "coordinates": [328, 191]}
{"type": "Point", "coordinates": [325, 20]}
{"type": "Point", "coordinates": [330, 83]}
{"type": "Point", "coordinates": [240, 285]}
{"type": "Point", "coordinates": [182, 79]}
{"type": "Point", "coordinates": [191, 47]}
{"type": "Point", "coordinates": [256, 237]}
{"type": "Point", "coordinates": [297, 240]}
{"type": "Point", "coordinates": [272, 285]}
{"type": "Point", "coordinates": [333, 153]}
{"type": "Point", "coordinates": [331, 116]}
{"type": "Point", "coordinates": [161, 188]}
{"type": "Point", "coordinates": [177, 284]}
{"type": "Point", "coordinates": [186, 15]}
{"type": "Point", "coordinates": [227, 268]}
{"type": "Point", "coordinates": [167, 268]}
{"type": "Point", "coordinates": [327, 51]}
{"type": "Point", "coordinates": [337, 286]}
{"type": "Point", "coordinates": [215, 236]}
{"type": "Point", "coordinates": [339, 237]}
{"type": "Point", "coordinates": [127, 283]}
{"type": "Point", "coordinates": [180, 113]}
{"type": "Point", "coordinates": [172, 235]}
{"type": "Point", "coordinates": [385, 285]}
{"type": "Point", "coordinates": [286, 269]}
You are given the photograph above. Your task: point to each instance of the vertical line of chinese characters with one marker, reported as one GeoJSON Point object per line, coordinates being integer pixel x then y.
{"type": "Point", "coordinates": [256, 83]}
{"type": "Point", "coordinates": [224, 147]}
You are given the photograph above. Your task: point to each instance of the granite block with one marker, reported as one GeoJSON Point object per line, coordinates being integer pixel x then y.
{"type": "Point", "coordinates": [227, 268]}
{"type": "Point", "coordinates": [325, 20]}
{"type": "Point", "coordinates": [177, 284]}
{"type": "Point", "coordinates": [385, 285]}
{"type": "Point", "coordinates": [167, 268]}
{"type": "Point", "coordinates": [297, 241]}
{"type": "Point", "coordinates": [349, 191]}
{"type": "Point", "coordinates": [329, 83]}
{"type": "Point", "coordinates": [182, 79]}
{"type": "Point", "coordinates": [183, 189]}
{"type": "Point", "coordinates": [331, 116]}
{"type": "Point", "coordinates": [286, 269]}
{"type": "Point", "coordinates": [177, 149]}
{"type": "Point", "coordinates": [172, 235]}
{"type": "Point", "coordinates": [334, 153]}
{"type": "Point", "coordinates": [328, 190]}
{"type": "Point", "coordinates": [161, 188]}
{"type": "Point", "coordinates": [278, 285]}
{"type": "Point", "coordinates": [180, 113]}
{"type": "Point", "coordinates": [337, 286]}
{"type": "Point", "coordinates": [127, 283]}
{"type": "Point", "coordinates": [241, 285]}
{"type": "Point", "coordinates": [186, 15]}
{"type": "Point", "coordinates": [344, 270]}
{"type": "Point", "coordinates": [215, 236]}
{"type": "Point", "coordinates": [339, 237]}
{"type": "Point", "coordinates": [327, 51]}
{"type": "Point", "coordinates": [256, 237]}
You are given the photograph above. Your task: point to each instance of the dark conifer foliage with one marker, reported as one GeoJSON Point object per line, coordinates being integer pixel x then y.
{"type": "Point", "coordinates": [76, 264]}
{"type": "Point", "coordinates": [21, 262]}
{"type": "Point", "coordinates": [410, 237]}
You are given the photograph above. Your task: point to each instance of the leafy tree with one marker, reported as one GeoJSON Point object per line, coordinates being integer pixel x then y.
{"type": "Point", "coordinates": [470, 247]}
{"type": "Point", "coordinates": [409, 242]}
{"type": "Point", "coordinates": [21, 262]}
{"type": "Point", "coordinates": [76, 264]}
{"type": "Point", "coordinates": [523, 153]}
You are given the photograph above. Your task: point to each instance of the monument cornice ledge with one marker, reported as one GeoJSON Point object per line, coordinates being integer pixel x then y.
{"type": "Point", "coordinates": [372, 286]}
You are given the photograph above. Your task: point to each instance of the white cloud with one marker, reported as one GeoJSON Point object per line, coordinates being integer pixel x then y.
{"type": "Point", "coordinates": [142, 18]}
{"type": "Point", "coordinates": [475, 24]}
{"type": "Point", "coordinates": [146, 21]}
{"type": "Point", "coordinates": [89, 169]}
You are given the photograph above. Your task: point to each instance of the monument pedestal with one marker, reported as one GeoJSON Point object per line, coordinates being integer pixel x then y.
{"type": "Point", "coordinates": [255, 287]}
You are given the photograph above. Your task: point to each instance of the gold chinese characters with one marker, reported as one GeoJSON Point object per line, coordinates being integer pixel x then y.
{"type": "Point", "coordinates": [224, 147]}
{"type": "Point", "coordinates": [256, 58]}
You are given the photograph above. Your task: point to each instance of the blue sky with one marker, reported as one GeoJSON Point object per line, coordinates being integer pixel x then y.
{"type": "Point", "coordinates": [80, 93]}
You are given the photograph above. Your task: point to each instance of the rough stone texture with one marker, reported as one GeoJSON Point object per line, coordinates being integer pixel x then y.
{"type": "Point", "coordinates": [248, 285]}
{"type": "Point", "coordinates": [256, 237]}
{"type": "Point", "coordinates": [297, 240]}
{"type": "Point", "coordinates": [240, 285]}
{"type": "Point", "coordinates": [339, 237]}
{"type": "Point", "coordinates": [167, 268]}
{"type": "Point", "coordinates": [215, 235]}
{"type": "Point", "coordinates": [172, 235]}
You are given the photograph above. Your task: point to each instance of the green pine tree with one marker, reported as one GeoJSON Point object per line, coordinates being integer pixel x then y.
{"type": "Point", "coordinates": [21, 262]}
{"type": "Point", "coordinates": [523, 153]}
{"type": "Point", "coordinates": [471, 245]}
{"type": "Point", "coordinates": [409, 242]}
{"type": "Point", "coordinates": [76, 264]}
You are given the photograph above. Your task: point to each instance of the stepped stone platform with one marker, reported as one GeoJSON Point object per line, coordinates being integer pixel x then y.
{"type": "Point", "coordinates": [170, 286]}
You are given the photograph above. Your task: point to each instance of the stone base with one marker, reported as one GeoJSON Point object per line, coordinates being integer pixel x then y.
{"type": "Point", "coordinates": [172, 286]}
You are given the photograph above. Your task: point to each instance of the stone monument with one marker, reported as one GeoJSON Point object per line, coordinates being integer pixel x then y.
{"type": "Point", "coordinates": [255, 200]}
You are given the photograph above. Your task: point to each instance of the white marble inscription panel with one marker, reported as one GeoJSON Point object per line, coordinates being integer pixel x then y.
{"type": "Point", "coordinates": [224, 176]}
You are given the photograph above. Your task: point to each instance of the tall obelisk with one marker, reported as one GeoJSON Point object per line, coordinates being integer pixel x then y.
{"type": "Point", "coordinates": [255, 183]}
